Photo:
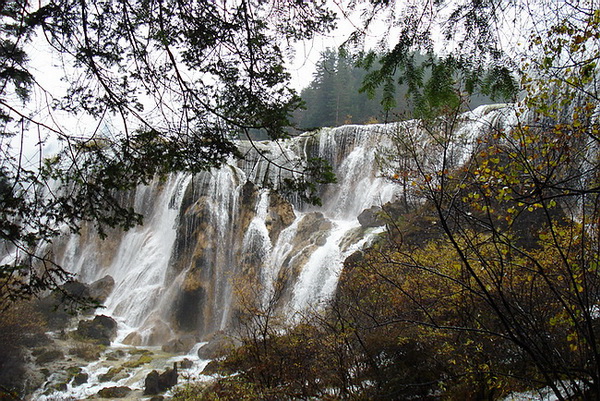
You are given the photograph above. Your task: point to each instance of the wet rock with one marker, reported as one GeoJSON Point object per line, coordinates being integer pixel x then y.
{"type": "Point", "coordinates": [115, 355]}
{"type": "Point", "coordinates": [80, 378]}
{"type": "Point", "coordinates": [352, 237]}
{"type": "Point", "coordinates": [186, 364]}
{"type": "Point", "coordinates": [151, 383]}
{"type": "Point", "coordinates": [249, 193]}
{"type": "Point", "coordinates": [49, 356]}
{"type": "Point", "coordinates": [158, 382]}
{"type": "Point", "coordinates": [114, 392]}
{"type": "Point", "coordinates": [218, 345]}
{"type": "Point", "coordinates": [157, 398]}
{"type": "Point", "coordinates": [134, 338]}
{"type": "Point", "coordinates": [160, 332]}
{"type": "Point", "coordinates": [102, 329]}
{"type": "Point", "coordinates": [281, 215]}
{"type": "Point", "coordinates": [371, 217]}
{"type": "Point", "coordinates": [86, 351]}
{"type": "Point", "coordinates": [187, 314]}
{"type": "Point", "coordinates": [314, 228]}
{"type": "Point", "coordinates": [111, 375]}
{"type": "Point", "coordinates": [180, 345]}
{"type": "Point", "coordinates": [73, 370]}
{"type": "Point", "coordinates": [99, 290]}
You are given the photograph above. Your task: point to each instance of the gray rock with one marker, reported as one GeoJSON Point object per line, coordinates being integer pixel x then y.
{"type": "Point", "coordinates": [80, 378]}
{"type": "Point", "coordinates": [49, 356]}
{"type": "Point", "coordinates": [371, 217]}
{"type": "Point", "coordinates": [186, 364]}
{"type": "Point", "coordinates": [102, 329]}
{"type": "Point", "coordinates": [218, 345]}
{"type": "Point", "coordinates": [180, 345]}
{"type": "Point", "coordinates": [134, 338]}
{"type": "Point", "coordinates": [158, 382]}
{"type": "Point", "coordinates": [99, 290]}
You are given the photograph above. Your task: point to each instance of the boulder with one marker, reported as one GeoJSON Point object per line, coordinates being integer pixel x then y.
{"type": "Point", "coordinates": [151, 383]}
{"type": "Point", "coordinates": [102, 329]}
{"type": "Point", "coordinates": [80, 378]}
{"type": "Point", "coordinates": [49, 356]}
{"type": "Point", "coordinates": [180, 345]}
{"type": "Point", "coordinates": [186, 364]}
{"type": "Point", "coordinates": [114, 392]}
{"type": "Point", "coordinates": [160, 332]}
{"type": "Point", "coordinates": [99, 290]}
{"type": "Point", "coordinates": [371, 217]}
{"type": "Point", "coordinates": [168, 378]}
{"type": "Point", "coordinates": [217, 346]}
{"type": "Point", "coordinates": [76, 289]}
{"type": "Point", "coordinates": [60, 306]}
{"type": "Point", "coordinates": [134, 338]}
{"type": "Point", "coordinates": [158, 382]}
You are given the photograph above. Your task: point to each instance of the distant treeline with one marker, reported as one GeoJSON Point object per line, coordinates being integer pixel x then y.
{"type": "Point", "coordinates": [334, 97]}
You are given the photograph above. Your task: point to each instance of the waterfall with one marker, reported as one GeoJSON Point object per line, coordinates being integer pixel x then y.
{"type": "Point", "coordinates": [212, 241]}
{"type": "Point", "coordinates": [177, 273]}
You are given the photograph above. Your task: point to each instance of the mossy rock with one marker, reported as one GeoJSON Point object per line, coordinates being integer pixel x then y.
{"type": "Point", "coordinates": [142, 360]}
{"type": "Point", "coordinates": [73, 370]}
{"type": "Point", "coordinates": [102, 329]}
{"type": "Point", "coordinates": [80, 378]}
{"type": "Point", "coordinates": [138, 351]}
{"type": "Point", "coordinates": [62, 386]}
{"type": "Point", "coordinates": [112, 372]}
{"type": "Point", "coordinates": [115, 355]}
{"type": "Point", "coordinates": [50, 356]}
{"type": "Point", "coordinates": [88, 351]}
{"type": "Point", "coordinates": [114, 392]}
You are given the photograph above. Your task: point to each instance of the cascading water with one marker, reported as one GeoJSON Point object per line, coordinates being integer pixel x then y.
{"type": "Point", "coordinates": [176, 275]}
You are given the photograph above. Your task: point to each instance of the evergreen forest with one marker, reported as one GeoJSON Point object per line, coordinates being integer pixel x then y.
{"type": "Point", "coordinates": [337, 95]}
